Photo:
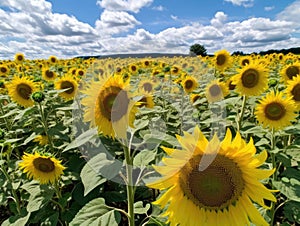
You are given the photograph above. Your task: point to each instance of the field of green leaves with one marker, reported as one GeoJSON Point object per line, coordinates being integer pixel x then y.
{"type": "Point", "coordinates": [183, 141]}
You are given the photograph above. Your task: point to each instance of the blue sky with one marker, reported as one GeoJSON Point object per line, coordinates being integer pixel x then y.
{"type": "Point", "coordinates": [68, 28]}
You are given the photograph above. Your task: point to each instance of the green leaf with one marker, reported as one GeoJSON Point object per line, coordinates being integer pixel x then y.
{"type": "Point", "coordinates": [140, 209]}
{"type": "Point", "coordinates": [96, 213]}
{"type": "Point", "coordinates": [90, 178]}
{"type": "Point", "coordinates": [144, 157]}
{"type": "Point", "coordinates": [291, 211]}
{"type": "Point", "coordinates": [82, 139]}
{"type": "Point", "coordinates": [16, 220]}
{"type": "Point", "coordinates": [291, 190]}
{"type": "Point", "coordinates": [52, 220]}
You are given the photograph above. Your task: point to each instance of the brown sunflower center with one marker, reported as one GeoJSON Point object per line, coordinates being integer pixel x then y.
{"type": "Point", "coordinates": [274, 111]}
{"type": "Point", "coordinates": [221, 59]}
{"type": "Point", "coordinates": [115, 104]}
{"type": "Point", "coordinates": [250, 78]}
{"type": "Point", "coordinates": [133, 68]}
{"type": "Point", "coordinates": [24, 91]}
{"type": "Point", "coordinates": [215, 90]}
{"type": "Point", "coordinates": [53, 59]}
{"type": "Point", "coordinates": [216, 187]}
{"type": "Point", "coordinates": [49, 74]}
{"type": "Point", "coordinates": [44, 164]}
{"type": "Point", "coordinates": [147, 86]}
{"type": "Point", "coordinates": [296, 92]}
{"type": "Point", "coordinates": [188, 84]}
{"type": "Point", "coordinates": [67, 85]}
{"type": "Point", "coordinates": [3, 69]}
{"type": "Point", "coordinates": [231, 86]}
{"type": "Point", "coordinates": [245, 62]}
{"type": "Point", "coordinates": [80, 73]}
{"type": "Point", "coordinates": [292, 71]}
{"type": "Point", "coordinates": [20, 57]}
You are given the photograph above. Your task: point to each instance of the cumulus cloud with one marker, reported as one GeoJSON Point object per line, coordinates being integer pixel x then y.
{"type": "Point", "coordinates": [219, 19]}
{"type": "Point", "coordinates": [291, 13]}
{"type": "Point", "coordinates": [123, 5]}
{"type": "Point", "coordinates": [158, 8]}
{"type": "Point", "coordinates": [245, 3]}
{"type": "Point", "coordinates": [269, 8]}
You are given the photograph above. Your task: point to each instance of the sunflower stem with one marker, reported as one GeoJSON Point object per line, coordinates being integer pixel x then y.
{"type": "Point", "coordinates": [241, 115]}
{"type": "Point", "coordinates": [7, 124]}
{"type": "Point", "coordinates": [45, 125]}
{"type": "Point", "coordinates": [15, 197]}
{"type": "Point", "coordinates": [129, 184]}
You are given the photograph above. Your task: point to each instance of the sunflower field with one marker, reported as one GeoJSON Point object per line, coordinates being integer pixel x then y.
{"type": "Point", "coordinates": [183, 141]}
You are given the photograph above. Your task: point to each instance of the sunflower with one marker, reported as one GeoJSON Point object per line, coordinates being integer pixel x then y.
{"type": "Point", "coordinates": [146, 99]}
{"type": "Point", "coordinates": [216, 91]}
{"type": "Point", "coordinates": [215, 181]}
{"type": "Point", "coordinates": [133, 68]}
{"type": "Point", "coordinates": [245, 60]}
{"type": "Point", "coordinates": [147, 85]}
{"type": "Point", "coordinates": [52, 59]}
{"type": "Point", "coordinates": [19, 57]}
{"type": "Point", "coordinates": [48, 75]}
{"type": "Point", "coordinates": [67, 82]}
{"type": "Point", "coordinates": [274, 111]}
{"type": "Point", "coordinates": [189, 84]}
{"type": "Point", "coordinates": [194, 97]}
{"type": "Point", "coordinates": [109, 106]}
{"type": "Point", "coordinates": [45, 169]}
{"type": "Point", "coordinates": [293, 90]}
{"type": "Point", "coordinates": [41, 139]}
{"type": "Point", "coordinates": [3, 89]}
{"type": "Point", "coordinates": [251, 80]}
{"type": "Point", "coordinates": [4, 70]}
{"type": "Point", "coordinates": [222, 59]}
{"type": "Point", "coordinates": [20, 90]}
{"type": "Point", "coordinates": [289, 71]}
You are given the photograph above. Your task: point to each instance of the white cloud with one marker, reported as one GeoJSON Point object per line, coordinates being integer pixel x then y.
{"type": "Point", "coordinates": [269, 8]}
{"type": "Point", "coordinates": [158, 8]}
{"type": "Point", "coordinates": [219, 19]}
{"type": "Point", "coordinates": [174, 17]}
{"type": "Point", "coordinates": [123, 5]}
{"type": "Point", "coordinates": [291, 13]}
{"type": "Point", "coordinates": [245, 3]}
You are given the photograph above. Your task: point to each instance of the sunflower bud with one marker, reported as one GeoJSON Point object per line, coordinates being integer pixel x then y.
{"type": "Point", "coordinates": [38, 97]}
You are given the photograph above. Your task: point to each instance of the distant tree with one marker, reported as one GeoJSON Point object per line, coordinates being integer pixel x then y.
{"type": "Point", "coordinates": [198, 50]}
{"type": "Point", "coordinates": [238, 53]}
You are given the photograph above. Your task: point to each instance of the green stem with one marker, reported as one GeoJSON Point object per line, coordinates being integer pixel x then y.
{"type": "Point", "coordinates": [241, 115]}
{"type": "Point", "coordinates": [129, 185]}
{"type": "Point", "coordinates": [7, 124]}
{"type": "Point", "coordinates": [45, 125]}
{"type": "Point", "coordinates": [16, 198]}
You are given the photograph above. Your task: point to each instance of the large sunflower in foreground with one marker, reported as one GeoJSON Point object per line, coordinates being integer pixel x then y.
{"type": "Point", "coordinates": [275, 111]}
{"type": "Point", "coordinates": [251, 80]}
{"type": "Point", "coordinates": [20, 90]}
{"type": "Point", "coordinates": [109, 106]}
{"type": "Point", "coordinates": [45, 169]}
{"type": "Point", "coordinates": [293, 90]}
{"type": "Point", "coordinates": [69, 83]}
{"type": "Point", "coordinates": [218, 194]}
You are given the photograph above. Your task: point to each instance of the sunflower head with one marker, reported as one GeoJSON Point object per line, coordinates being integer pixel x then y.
{"type": "Point", "coordinates": [44, 168]}
{"type": "Point", "coordinates": [293, 90]}
{"type": "Point", "coordinates": [222, 59]}
{"type": "Point", "coordinates": [4, 70]}
{"type": "Point", "coordinates": [216, 91]}
{"type": "Point", "coordinates": [20, 90]}
{"type": "Point", "coordinates": [251, 80]}
{"type": "Point", "coordinates": [289, 71]}
{"type": "Point", "coordinates": [53, 59]}
{"type": "Point", "coordinates": [217, 181]}
{"type": "Point", "coordinates": [19, 57]}
{"type": "Point", "coordinates": [69, 83]}
{"type": "Point", "coordinates": [48, 75]}
{"type": "Point", "coordinates": [275, 111]}
{"type": "Point", "coordinates": [189, 84]}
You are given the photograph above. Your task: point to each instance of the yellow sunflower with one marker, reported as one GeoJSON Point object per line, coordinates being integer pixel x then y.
{"type": "Point", "coordinates": [216, 91]}
{"type": "Point", "coordinates": [41, 139]}
{"type": "Point", "coordinates": [216, 182]}
{"type": "Point", "coordinates": [275, 112]}
{"type": "Point", "coordinates": [293, 90]}
{"type": "Point", "coordinates": [19, 57]}
{"type": "Point", "coordinates": [53, 59]}
{"type": "Point", "coordinates": [20, 90]}
{"type": "Point", "coordinates": [48, 75]}
{"type": "Point", "coordinates": [251, 80]}
{"type": "Point", "coordinates": [289, 71]}
{"type": "Point", "coordinates": [109, 106]}
{"type": "Point", "coordinates": [194, 97]}
{"type": "Point", "coordinates": [147, 85]}
{"type": "Point", "coordinates": [4, 70]}
{"type": "Point", "coordinates": [146, 99]}
{"type": "Point", "coordinates": [67, 82]}
{"type": "Point", "coordinates": [189, 84]}
{"type": "Point", "coordinates": [222, 59]}
{"type": "Point", "coordinates": [45, 169]}
{"type": "Point", "coordinates": [245, 60]}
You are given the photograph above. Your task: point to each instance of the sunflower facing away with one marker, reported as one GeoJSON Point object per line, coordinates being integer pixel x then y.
{"type": "Point", "coordinates": [293, 90]}
{"type": "Point", "coordinates": [45, 169]}
{"type": "Point", "coordinates": [20, 90]}
{"type": "Point", "coordinates": [67, 82]}
{"type": "Point", "coordinates": [109, 106]}
{"type": "Point", "coordinates": [275, 111]}
{"type": "Point", "coordinates": [252, 80]}
{"type": "Point", "coordinates": [219, 194]}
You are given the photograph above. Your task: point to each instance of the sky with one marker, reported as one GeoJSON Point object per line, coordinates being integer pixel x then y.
{"type": "Point", "coordinates": [70, 28]}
